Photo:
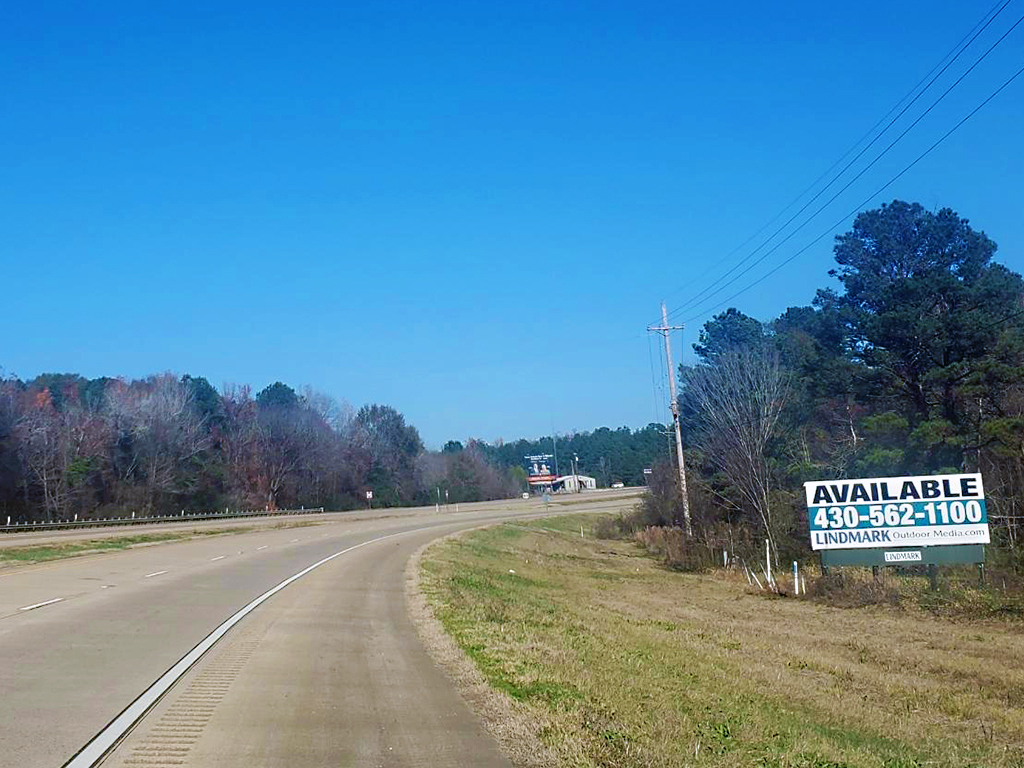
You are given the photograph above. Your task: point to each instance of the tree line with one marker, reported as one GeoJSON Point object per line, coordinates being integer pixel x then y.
{"type": "Point", "coordinates": [107, 447]}
{"type": "Point", "coordinates": [156, 446]}
{"type": "Point", "coordinates": [913, 365]}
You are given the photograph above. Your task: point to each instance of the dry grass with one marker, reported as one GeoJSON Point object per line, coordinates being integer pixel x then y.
{"type": "Point", "coordinates": [41, 553]}
{"type": "Point", "coordinates": [612, 660]}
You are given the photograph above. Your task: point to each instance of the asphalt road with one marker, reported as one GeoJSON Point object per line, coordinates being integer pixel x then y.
{"type": "Point", "coordinates": [65, 536]}
{"type": "Point", "coordinates": [328, 670]}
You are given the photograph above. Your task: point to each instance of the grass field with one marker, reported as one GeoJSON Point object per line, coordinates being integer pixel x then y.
{"type": "Point", "coordinates": [612, 660]}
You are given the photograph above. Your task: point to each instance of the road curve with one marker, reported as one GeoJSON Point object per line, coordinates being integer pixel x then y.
{"type": "Point", "coordinates": [328, 670]}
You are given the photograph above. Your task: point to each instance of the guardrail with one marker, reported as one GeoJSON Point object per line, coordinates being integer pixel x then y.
{"type": "Point", "coordinates": [191, 517]}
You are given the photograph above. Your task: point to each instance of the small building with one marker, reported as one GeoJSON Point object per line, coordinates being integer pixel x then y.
{"type": "Point", "coordinates": [574, 484]}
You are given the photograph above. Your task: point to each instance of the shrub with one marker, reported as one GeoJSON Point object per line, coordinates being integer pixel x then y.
{"type": "Point", "coordinates": [613, 528]}
{"type": "Point", "coordinates": [671, 545]}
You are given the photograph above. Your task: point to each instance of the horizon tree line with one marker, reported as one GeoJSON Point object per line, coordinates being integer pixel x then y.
{"type": "Point", "coordinates": [163, 444]}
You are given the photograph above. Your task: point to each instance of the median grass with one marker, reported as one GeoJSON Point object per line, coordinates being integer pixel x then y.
{"type": "Point", "coordinates": [610, 659]}
{"type": "Point", "coordinates": [41, 553]}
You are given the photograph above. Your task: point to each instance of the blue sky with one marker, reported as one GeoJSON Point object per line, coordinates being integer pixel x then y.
{"type": "Point", "coordinates": [467, 211]}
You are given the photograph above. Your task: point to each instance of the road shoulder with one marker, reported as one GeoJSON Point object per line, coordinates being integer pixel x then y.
{"type": "Point", "coordinates": [512, 726]}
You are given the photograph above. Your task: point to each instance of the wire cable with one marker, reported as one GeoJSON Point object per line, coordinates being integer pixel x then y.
{"type": "Point", "coordinates": [867, 200]}
{"type": "Point", "coordinates": [866, 168]}
{"type": "Point", "coordinates": [959, 49]}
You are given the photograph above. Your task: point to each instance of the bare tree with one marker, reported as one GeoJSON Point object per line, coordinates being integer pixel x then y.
{"type": "Point", "coordinates": [41, 447]}
{"type": "Point", "coordinates": [739, 397]}
{"type": "Point", "coordinates": [159, 432]}
{"type": "Point", "coordinates": [278, 451]}
{"type": "Point", "coordinates": [55, 446]}
{"type": "Point", "coordinates": [336, 414]}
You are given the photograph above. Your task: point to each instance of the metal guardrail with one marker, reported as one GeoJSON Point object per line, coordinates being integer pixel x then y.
{"type": "Point", "coordinates": [127, 521]}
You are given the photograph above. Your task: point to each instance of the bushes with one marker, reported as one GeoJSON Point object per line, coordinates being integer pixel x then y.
{"type": "Point", "coordinates": [678, 551]}
{"type": "Point", "coordinates": [668, 543]}
{"type": "Point", "coordinates": [845, 589]}
{"type": "Point", "coordinates": [613, 527]}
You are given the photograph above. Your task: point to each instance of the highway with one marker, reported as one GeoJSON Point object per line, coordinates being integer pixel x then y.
{"type": "Point", "coordinates": [314, 660]}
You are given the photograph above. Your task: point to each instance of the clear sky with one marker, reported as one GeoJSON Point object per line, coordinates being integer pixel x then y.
{"type": "Point", "coordinates": [467, 211]}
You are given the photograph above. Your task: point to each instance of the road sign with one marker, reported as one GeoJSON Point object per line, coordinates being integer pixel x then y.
{"type": "Point", "coordinates": [369, 495]}
{"type": "Point", "coordinates": [648, 471]}
{"type": "Point", "coordinates": [897, 512]}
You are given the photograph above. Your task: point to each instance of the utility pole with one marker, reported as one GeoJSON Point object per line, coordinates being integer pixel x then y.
{"type": "Point", "coordinates": [666, 330]}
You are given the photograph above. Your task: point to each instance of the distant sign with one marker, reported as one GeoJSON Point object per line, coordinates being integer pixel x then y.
{"type": "Point", "coordinates": [369, 495]}
{"type": "Point", "coordinates": [648, 471]}
{"type": "Point", "coordinates": [885, 512]}
{"type": "Point", "coordinates": [539, 469]}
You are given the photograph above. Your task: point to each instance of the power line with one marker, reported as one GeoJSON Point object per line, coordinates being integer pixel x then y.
{"type": "Point", "coordinates": [868, 199]}
{"type": "Point", "coordinates": [959, 49]}
{"type": "Point", "coordinates": [861, 173]}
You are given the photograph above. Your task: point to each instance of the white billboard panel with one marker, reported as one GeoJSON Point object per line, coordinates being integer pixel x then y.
{"type": "Point", "coordinates": [917, 511]}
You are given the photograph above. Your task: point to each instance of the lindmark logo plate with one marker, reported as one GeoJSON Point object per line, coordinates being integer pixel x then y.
{"type": "Point", "coordinates": [903, 557]}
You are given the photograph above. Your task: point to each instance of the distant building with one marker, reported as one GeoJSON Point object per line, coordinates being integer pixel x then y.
{"type": "Point", "coordinates": [574, 484]}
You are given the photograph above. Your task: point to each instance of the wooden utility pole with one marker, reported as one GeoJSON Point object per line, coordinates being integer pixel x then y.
{"type": "Point", "coordinates": [666, 330]}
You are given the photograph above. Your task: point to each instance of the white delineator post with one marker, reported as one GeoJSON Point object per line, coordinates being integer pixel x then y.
{"type": "Point", "coordinates": [796, 578]}
{"type": "Point", "coordinates": [757, 580]}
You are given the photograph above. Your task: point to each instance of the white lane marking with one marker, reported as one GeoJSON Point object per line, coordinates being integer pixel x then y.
{"type": "Point", "coordinates": [215, 559]}
{"type": "Point", "coordinates": [40, 605]}
{"type": "Point", "coordinates": [102, 742]}
{"type": "Point", "coordinates": [293, 541]}
{"type": "Point", "coordinates": [263, 547]}
{"type": "Point", "coordinates": [155, 573]}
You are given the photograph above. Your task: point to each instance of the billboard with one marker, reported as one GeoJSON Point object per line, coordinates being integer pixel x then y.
{"type": "Point", "coordinates": [887, 512]}
{"type": "Point", "coordinates": [539, 469]}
